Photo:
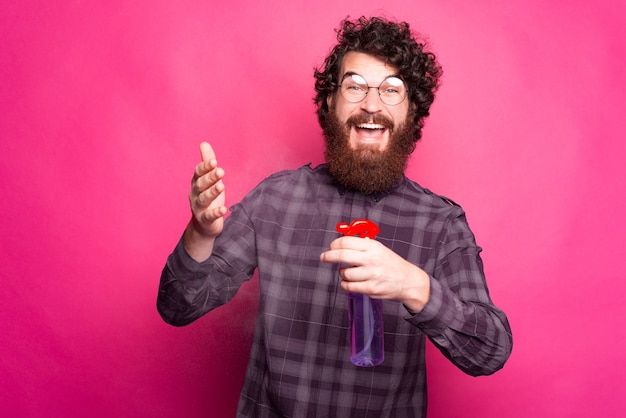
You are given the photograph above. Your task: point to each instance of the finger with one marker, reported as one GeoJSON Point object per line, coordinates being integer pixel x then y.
{"type": "Point", "coordinates": [207, 195]}
{"type": "Point", "coordinates": [344, 256]}
{"type": "Point", "coordinates": [206, 151]}
{"type": "Point", "coordinates": [203, 168]}
{"type": "Point", "coordinates": [212, 214]}
{"type": "Point", "coordinates": [353, 274]}
{"type": "Point", "coordinates": [359, 287]}
{"type": "Point", "coordinates": [351, 287]}
{"type": "Point", "coordinates": [208, 179]}
{"type": "Point", "coordinates": [343, 250]}
{"type": "Point", "coordinates": [208, 163]}
{"type": "Point", "coordinates": [352, 243]}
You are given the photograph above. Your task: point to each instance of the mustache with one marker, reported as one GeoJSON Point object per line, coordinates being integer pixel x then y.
{"type": "Point", "coordinates": [364, 117]}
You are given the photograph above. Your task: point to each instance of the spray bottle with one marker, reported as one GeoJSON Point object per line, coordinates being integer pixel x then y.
{"type": "Point", "coordinates": [365, 314]}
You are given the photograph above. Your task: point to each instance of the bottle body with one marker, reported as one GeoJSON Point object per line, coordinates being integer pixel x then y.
{"type": "Point", "coordinates": [366, 330]}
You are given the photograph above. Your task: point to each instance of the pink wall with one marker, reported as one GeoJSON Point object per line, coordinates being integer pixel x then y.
{"type": "Point", "coordinates": [103, 104]}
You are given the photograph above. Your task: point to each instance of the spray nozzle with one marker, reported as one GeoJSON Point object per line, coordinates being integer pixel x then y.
{"type": "Point", "coordinates": [363, 227]}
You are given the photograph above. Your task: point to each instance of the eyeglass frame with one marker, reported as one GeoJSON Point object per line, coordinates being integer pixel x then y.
{"type": "Point", "coordinates": [352, 74]}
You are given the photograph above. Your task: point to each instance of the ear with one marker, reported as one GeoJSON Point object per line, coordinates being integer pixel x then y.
{"type": "Point", "coordinates": [330, 100]}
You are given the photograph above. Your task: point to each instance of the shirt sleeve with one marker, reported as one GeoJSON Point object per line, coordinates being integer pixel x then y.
{"type": "Point", "coordinates": [189, 289]}
{"type": "Point", "coordinates": [460, 318]}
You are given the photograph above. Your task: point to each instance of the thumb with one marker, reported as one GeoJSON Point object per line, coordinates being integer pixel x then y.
{"type": "Point", "coordinates": [206, 151]}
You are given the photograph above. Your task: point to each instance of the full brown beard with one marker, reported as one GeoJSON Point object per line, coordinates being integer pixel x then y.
{"type": "Point", "coordinates": [366, 169]}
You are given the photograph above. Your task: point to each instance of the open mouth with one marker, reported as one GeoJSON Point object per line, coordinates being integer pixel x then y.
{"type": "Point", "coordinates": [370, 130]}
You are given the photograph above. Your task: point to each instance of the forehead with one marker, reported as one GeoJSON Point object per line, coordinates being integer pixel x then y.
{"type": "Point", "coordinates": [373, 69]}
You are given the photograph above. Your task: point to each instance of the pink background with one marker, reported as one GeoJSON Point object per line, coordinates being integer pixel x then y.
{"type": "Point", "coordinates": [103, 104]}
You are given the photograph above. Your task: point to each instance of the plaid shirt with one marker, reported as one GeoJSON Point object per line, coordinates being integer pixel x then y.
{"type": "Point", "coordinates": [299, 364]}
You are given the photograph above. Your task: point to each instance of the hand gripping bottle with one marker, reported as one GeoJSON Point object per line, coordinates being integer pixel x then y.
{"type": "Point", "coordinates": [365, 314]}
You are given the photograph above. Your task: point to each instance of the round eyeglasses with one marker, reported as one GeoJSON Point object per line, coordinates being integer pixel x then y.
{"type": "Point", "coordinates": [354, 89]}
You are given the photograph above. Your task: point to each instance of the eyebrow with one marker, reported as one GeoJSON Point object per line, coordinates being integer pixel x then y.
{"type": "Point", "coordinates": [351, 73]}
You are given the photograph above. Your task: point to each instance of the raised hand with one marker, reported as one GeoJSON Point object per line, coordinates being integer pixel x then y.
{"type": "Point", "coordinates": [207, 202]}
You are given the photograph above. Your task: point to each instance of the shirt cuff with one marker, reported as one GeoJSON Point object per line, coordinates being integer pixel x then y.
{"type": "Point", "coordinates": [182, 262]}
{"type": "Point", "coordinates": [438, 313]}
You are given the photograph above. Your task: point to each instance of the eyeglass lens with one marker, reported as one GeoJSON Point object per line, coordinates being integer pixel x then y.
{"type": "Point", "coordinates": [392, 90]}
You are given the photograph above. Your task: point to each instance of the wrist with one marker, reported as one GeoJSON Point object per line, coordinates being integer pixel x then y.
{"type": "Point", "coordinates": [198, 244]}
{"type": "Point", "coordinates": [417, 294]}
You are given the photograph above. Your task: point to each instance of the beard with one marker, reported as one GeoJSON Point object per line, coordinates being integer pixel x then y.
{"type": "Point", "coordinates": [367, 169]}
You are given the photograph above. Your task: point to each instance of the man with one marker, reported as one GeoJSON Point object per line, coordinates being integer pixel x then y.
{"type": "Point", "coordinates": [373, 93]}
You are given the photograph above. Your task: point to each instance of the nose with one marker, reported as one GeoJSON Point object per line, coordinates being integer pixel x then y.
{"type": "Point", "coordinates": [372, 102]}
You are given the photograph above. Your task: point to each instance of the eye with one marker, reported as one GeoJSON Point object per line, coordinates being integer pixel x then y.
{"type": "Point", "coordinates": [353, 87]}
{"type": "Point", "coordinates": [354, 84]}
{"type": "Point", "coordinates": [392, 86]}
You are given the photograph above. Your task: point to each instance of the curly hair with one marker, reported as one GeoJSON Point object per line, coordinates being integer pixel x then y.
{"type": "Point", "coordinates": [395, 44]}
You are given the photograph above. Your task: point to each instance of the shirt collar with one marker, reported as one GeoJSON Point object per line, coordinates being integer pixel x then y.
{"type": "Point", "coordinates": [376, 197]}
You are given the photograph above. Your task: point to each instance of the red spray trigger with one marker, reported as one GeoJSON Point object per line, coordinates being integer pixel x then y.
{"type": "Point", "coordinates": [363, 227]}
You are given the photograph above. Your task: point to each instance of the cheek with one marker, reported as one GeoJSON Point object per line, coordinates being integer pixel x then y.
{"type": "Point", "coordinates": [400, 115]}
{"type": "Point", "coordinates": [341, 111]}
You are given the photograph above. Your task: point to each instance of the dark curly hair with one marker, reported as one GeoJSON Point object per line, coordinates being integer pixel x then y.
{"type": "Point", "coordinates": [393, 43]}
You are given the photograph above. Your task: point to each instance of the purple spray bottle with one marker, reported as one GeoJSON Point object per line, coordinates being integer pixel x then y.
{"type": "Point", "coordinates": [365, 314]}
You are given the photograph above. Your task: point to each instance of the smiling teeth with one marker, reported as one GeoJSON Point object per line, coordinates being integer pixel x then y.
{"type": "Point", "coordinates": [370, 126]}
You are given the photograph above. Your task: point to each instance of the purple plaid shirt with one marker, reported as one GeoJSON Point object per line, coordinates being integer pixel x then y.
{"type": "Point", "coordinates": [299, 364]}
